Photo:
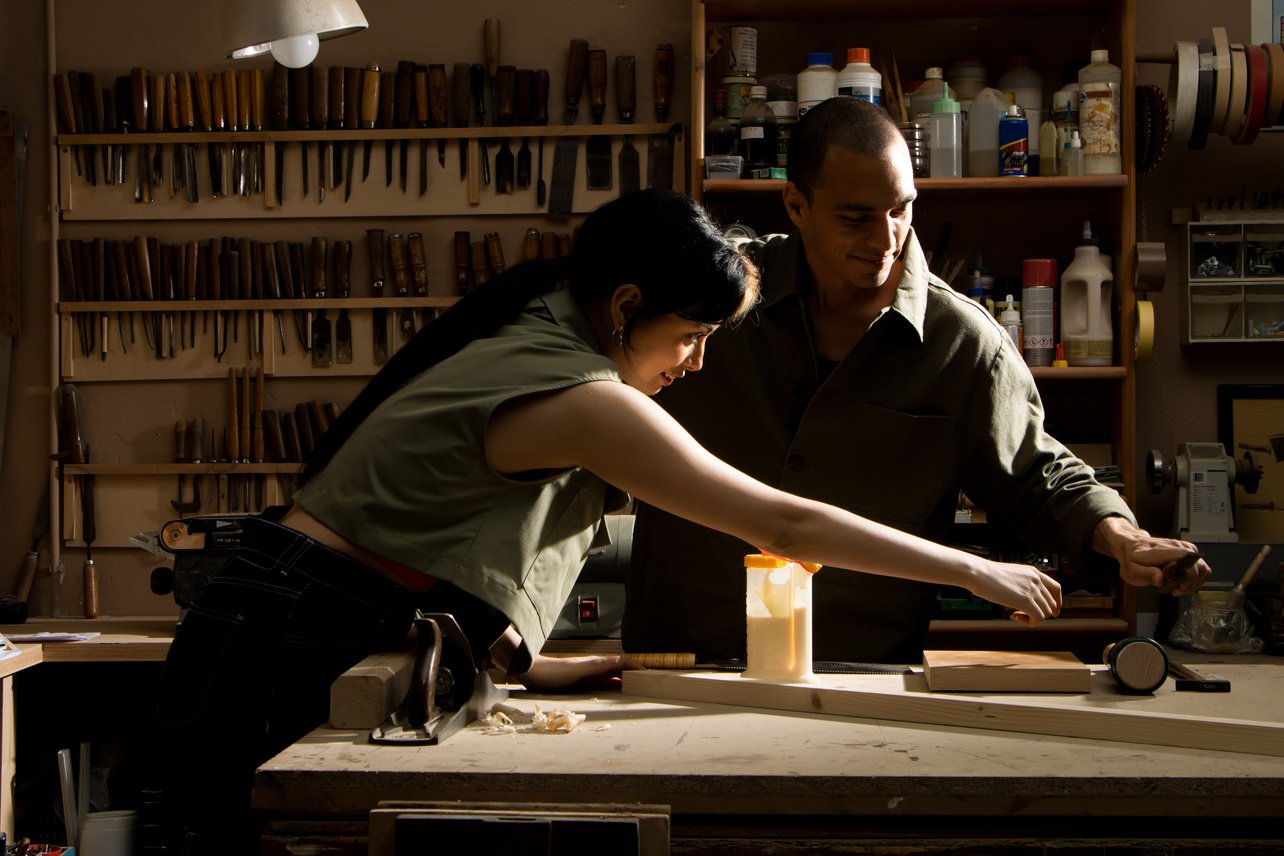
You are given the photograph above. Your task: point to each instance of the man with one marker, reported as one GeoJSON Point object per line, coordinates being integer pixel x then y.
{"type": "Point", "coordinates": [866, 382]}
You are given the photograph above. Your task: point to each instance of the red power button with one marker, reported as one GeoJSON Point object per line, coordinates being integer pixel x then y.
{"type": "Point", "coordinates": [588, 609]}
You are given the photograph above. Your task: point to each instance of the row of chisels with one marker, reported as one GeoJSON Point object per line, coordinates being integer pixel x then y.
{"type": "Point", "coordinates": [217, 273]}
{"type": "Point", "coordinates": [404, 95]}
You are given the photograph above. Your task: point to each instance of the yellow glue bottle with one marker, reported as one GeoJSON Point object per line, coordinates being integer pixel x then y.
{"type": "Point", "coordinates": [778, 619]}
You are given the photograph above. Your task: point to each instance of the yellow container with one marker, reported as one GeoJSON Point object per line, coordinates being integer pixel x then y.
{"type": "Point", "coordinates": [778, 619]}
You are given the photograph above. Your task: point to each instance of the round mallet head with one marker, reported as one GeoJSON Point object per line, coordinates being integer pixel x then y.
{"type": "Point", "coordinates": [1138, 664]}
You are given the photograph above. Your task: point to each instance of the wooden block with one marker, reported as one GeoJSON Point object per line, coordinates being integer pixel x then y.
{"type": "Point", "coordinates": [906, 699]}
{"type": "Point", "coordinates": [363, 696]}
{"type": "Point", "coordinates": [1006, 671]}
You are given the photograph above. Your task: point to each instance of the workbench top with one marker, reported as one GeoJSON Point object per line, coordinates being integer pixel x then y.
{"type": "Point", "coordinates": [704, 758]}
{"type": "Point", "coordinates": [119, 639]}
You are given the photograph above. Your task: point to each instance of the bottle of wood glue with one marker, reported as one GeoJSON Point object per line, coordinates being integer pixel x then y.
{"type": "Point", "coordinates": [778, 619]}
{"type": "Point", "coordinates": [1010, 319]}
{"type": "Point", "coordinates": [1086, 287]}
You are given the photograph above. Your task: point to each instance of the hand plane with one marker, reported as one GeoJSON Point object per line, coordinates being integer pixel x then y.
{"type": "Point", "coordinates": [448, 687]}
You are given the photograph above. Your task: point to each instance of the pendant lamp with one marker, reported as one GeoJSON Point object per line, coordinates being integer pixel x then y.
{"type": "Point", "coordinates": [290, 29]}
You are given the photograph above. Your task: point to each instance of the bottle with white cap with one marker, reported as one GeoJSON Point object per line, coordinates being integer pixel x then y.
{"type": "Point", "coordinates": [1100, 115]}
{"type": "Point", "coordinates": [932, 89]}
{"type": "Point", "coordinates": [758, 135]}
{"type": "Point", "coordinates": [1072, 155]}
{"type": "Point", "coordinates": [1010, 320]}
{"type": "Point", "coordinates": [945, 139]}
{"type": "Point", "coordinates": [858, 79]}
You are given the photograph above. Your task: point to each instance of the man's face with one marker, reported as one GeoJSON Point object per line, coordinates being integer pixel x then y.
{"type": "Point", "coordinates": [858, 217]}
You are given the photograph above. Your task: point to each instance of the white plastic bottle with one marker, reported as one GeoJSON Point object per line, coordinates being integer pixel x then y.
{"type": "Point", "coordinates": [1027, 85]}
{"type": "Point", "coordinates": [1099, 115]}
{"type": "Point", "coordinates": [817, 81]}
{"type": "Point", "coordinates": [945, 138]}
{"type": "Point", "coordinates": [932, 89]}
{"type": "Point", "coordinates": [983, 133]}
{"type": "Point", "coordinates": [858, 79]}
{"type": "Point", "coordinates": [1086, 288]}
{"type": "Point", "coordinates": [1072, 156]}
{"type": "Point", "coordinates": [1010, 320]}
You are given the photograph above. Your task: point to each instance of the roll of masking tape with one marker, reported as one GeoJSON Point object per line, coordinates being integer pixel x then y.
{"type": "Point", "coordinates": [1150, 266]}
{"type": "Point", "coordinates": [1144, 334]}
{"type": "Point", "coordinates": [1237, 109]}
{"type": "Point", "coordinates": [1183, 87]}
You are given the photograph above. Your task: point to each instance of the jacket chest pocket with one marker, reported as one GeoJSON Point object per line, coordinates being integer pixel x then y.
{"type": "Point", "coordinates": [895, 466]}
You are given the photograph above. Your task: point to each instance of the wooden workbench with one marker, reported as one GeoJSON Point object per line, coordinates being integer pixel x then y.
{"type": "Point", "coordinates": [735, 777]}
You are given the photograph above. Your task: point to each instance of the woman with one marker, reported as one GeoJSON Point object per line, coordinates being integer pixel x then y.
{"type": "Point", "coordinates": [470, 477]}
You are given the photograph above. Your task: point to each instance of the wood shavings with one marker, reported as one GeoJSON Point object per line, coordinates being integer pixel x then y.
{"type": "Point", "coordinates": [505, 719]}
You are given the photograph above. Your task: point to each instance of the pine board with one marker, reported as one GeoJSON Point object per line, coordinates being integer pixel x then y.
{"type": "Point", "coordinates": [1100, 715]}
{"type": "Point", "coordinates": [1006, 671]}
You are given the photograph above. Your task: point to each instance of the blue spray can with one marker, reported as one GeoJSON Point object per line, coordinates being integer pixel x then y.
{"type": "Point", "coordinates": [1014, 143]}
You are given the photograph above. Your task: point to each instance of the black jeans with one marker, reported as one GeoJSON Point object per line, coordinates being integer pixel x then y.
{"type": "Point", "coordinates": [251, 666]}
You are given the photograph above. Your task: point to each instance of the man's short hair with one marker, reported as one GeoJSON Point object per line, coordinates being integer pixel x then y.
{"type": "Point", "coordinates": [852, 123]}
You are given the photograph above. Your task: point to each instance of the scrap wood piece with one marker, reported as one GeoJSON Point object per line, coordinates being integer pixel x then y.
{"type": "Point", "coordinates": [906, 699]}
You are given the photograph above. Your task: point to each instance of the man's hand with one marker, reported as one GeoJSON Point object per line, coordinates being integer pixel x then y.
{"type": "Point", "coordinates": [1142, 557]}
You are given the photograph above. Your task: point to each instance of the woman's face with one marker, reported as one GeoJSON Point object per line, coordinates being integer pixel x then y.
{"type": "Point", "coordinates": [661, 350]}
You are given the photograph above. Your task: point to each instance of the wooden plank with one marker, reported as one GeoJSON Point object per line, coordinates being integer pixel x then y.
{"type": "Point", "coordinates": [363, 696]}
{"type": "Point", "coordinates": [907, 699]}
{"type": "Point", "coordinates": [1006, 671]}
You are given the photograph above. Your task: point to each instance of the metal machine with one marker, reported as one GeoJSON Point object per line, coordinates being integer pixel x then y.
{"type": "Point", "coordinates": [1204, 475]}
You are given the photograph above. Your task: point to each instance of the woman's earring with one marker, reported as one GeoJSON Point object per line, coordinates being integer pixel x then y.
{"type": "Point", "coordinates": [617, 336]}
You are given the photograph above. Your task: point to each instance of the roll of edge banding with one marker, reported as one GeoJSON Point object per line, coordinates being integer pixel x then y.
{"type": "Point", "coordinates": [1237, 109]}
{"type": "Point", "coordinates": [1150, 266]}
{"type": "Point", "coordinates": [1275, 95]}
{"type": "Point", "coordinates": [1143, 339]}
{"type": "Point", "coordinates": [1204, 98]}
{"type": "Point", "coordinates": [1258, 80]}
{"type": "Point", "coordinates": [1183, 84]}
{"type": "Point", "coordinates": [1222, 72]}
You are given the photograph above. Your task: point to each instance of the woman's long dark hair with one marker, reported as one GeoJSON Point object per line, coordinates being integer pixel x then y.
{"type": "Point", "coordinates": [661, 241]}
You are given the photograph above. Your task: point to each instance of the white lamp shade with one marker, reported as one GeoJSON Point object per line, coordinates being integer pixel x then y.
{"type": "Point", "coordinates": [253, 25]}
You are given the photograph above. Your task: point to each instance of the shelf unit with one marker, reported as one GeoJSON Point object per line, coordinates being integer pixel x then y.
{"type": "Point", "coordinates": [1035, 217]}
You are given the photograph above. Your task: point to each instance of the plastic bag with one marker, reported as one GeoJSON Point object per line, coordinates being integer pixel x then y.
{"type": "Point", "coordinates": [1214, 630]}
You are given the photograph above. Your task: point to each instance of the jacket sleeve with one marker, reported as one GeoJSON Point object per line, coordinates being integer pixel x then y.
{"type": "Point", "coordinates": [1025, 477]}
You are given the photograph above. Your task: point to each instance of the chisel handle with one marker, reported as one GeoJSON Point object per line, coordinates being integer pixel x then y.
{"type": "Point", "coordinates": [319, 109]}
{"type": "Point", "coordinates": [300, 98]}
{"type": "Point", "coordinates": [539, 106]}
{"type": "Point", "coordinates": [626, 94]}
{"type": "Point", "coordinates": [505, 90]}
{"type": "Point", "coordinates": [423, 116]}
{"type": "Point", "coordinates": [335, 83]}
{"type": "Point", "coordinates": [27, 576]}
{"type": "Point", "coordinates": [460, 93]}
{"type": "Point", "coordinates": [244, 97]}
{"type": "Point", "coordinates": [204, 107]}
{"type": "Point", "coordinates": [139, 89]}
{"type": "Point", "coordinates": [258, 106]}
{"type": "Point", "coordinates": [397, 247]}
{"type": "Point", "coordinates": [370, 95]}
{"type": "Point", "coordinates": [576, 66]}
{"type": "Point", "coordinates": [405, 93]}
{"type": "Point", "coordinates": [352, 85]}
{"type": "Point", "coordinates": [663, 80]}
{"type": "Point", "coordinates": [437, 95]}
{"type": "Point", "coordinates": [490, 28]}
{"type": "Point", "coordinates": [374, 242]}
{"type": "Point", "coordinates": [418, 262]}
{"type": "Point", "coordinates": [66, 110]}
{"type": "Point", "coordinates": [256, 432]}
{"type": "Point", "coordinates": [89, 580]}
{"type": "Point", "coordinates": [597, 83]}
{"type": "Point", "coordinates": [280, 110]}
{"type": "Point", "coordinates": [233, 441]}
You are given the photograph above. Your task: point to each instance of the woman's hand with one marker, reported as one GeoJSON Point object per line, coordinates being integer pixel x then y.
{"type": "Point", "coordinates": [571, 674]}
{"type": "Point", "coordinates": [1031, 593]}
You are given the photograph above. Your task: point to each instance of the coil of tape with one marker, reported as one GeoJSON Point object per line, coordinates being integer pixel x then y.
{"type": "Point", "coordinates": [1258, 80]}
{"type": "Point", "coordinates": [1222, 69]}
{"type": "Point", "coordinates": [1183, 88]}
{"type": "Point", "coordinates": [1237, 109]}
{"type": "Point", "coordinates": [1150, 265]}
{"type": "Point", "coordinates": [1204, 98]}
{"type": "Point", "coordinates": [1275, 93]}
{"type": "Point", "coordinates": [1144, 333]}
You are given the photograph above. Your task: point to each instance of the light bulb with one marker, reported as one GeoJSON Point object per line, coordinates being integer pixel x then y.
{"type": "Point", "coordinates": [296, 51]}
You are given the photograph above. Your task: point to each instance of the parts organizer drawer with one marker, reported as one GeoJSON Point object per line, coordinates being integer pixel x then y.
{"type": "Point", "coordinates": [1234, 285]}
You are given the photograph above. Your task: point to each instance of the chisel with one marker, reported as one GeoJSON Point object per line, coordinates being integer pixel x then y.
{"type": "Point", "coordinates": [218, 119]}
{"type": "Point", "coordinates": [88, 534]}
{"type": "Point", "coordinates": [369, 111]}
{"type": "Point", "coordinates": [378, 316]}
{"type": "Point", "coordinates": [205, 122]}
{"type": "Point", "coordinates": [401, 282]}
{"type": "Point", "coordinates": [464, 281]}
{"type": "Point", "coordinates": [423, 119]}
{"type": "Point", "coordinates": [597, 151]}
{"type": "Point", "coordinates": [419, 270]}
{"type": "Point", "coordinates": [342, 256]}
{"type": "Point", "coordinates": [258, 116]}
{"type": "Point", "coordinates": [460, 111]}
{"type": "Point", "coordinates": [522, 108]}
{"type": "Point", "coordinates": [187, 123]}
{"type": "Point", "coordinates": [321, 353]}
{"type": "Point", "coordinates": [437, 106]}
{"type": "Point", "coordinates": [300, 99]}
{"type": "Point", "coordinates": [387, 118]}
{"type": "Point", "coordinates": [405, 110]}
{"type": "Point", "coordinates": [352, 79]}
{"type": "Point", "coordinates": [506, 81]}
{"type": "Point", "coordinates": [280, 121]}
{"type": "Point", "coordinates": [336, 80]}
{"type": "Point", "coordinates": [539, 116]}
{"type": "Point", "coordinates": [566, 154]}
{"type": "Point", "coordinates": [139, 90]}
{"type": "Point", "coordinates": [626, 102]}
{"type": "Point", "coordinates": [659, 165]}
{"type": "Point", "coordinates": [319, 116]}
{"type": "Point", "coordinates": [272, 286]}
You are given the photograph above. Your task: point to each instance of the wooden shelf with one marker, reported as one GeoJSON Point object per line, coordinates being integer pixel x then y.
{"type": "Point", "coordinates": [205, 468]}
{"type": "Point", "coordinates": [817, 10]}
{"type": "Point", "coordinates": [329, 303]}
{"type": "Point", "coordinates": [1042, 184]}
{"type": "Point", "coordinates": [488, 132]}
